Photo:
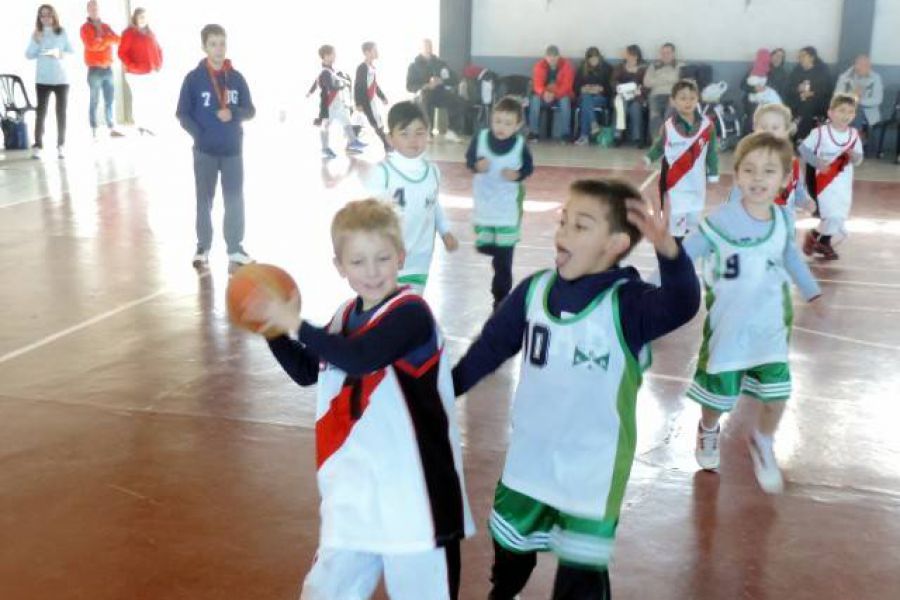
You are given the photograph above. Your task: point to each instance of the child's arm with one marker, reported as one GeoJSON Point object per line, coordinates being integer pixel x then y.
{"type": "Point", "coordinates": [648, 311]}
{"type": "Point", "coordinates": [440, 220]}
{"type": "Point", "coordinates": [527, 167]}
{"type": "Point", "coordinates": [244, 110]}
{"type": "Point", "coordinates": [300, 363]}
{"type": "Point", "coordinates": [807, 148]}
{"type": "Point", "coordinates": [398, 332]}
{"type": "Point", "coordinates": [184, 112]}
{"type": "Point", "coordinates": [360, 97]}
{"type": "Point", "coordinates": [500, 338]}
{"type": "Point", "coordinates": [697, 246]}
{"type": "Point", "coordinates": [856, 152]}
{"type": "Point", "coordinates": [657, 149]}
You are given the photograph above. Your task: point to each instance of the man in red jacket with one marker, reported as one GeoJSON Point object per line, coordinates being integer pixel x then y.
{"type": "Point", "coordinates": [552, 84]}
{"type": "Point", "coordinates": [98, 40]}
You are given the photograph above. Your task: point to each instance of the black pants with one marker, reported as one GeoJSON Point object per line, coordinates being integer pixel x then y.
{"type": "Point", "coordinates": [370, 116]}
{"type": "Point", "coordinates": [43, 99]}
{"type": "Point", "coordinates": [511, 571]}
{"type": "Point", "coordinates": [501, 261]}
{"type": "Point", "coordinates": [441, 97]}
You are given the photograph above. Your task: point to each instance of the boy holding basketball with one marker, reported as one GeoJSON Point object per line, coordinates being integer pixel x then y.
{"type": "Point", "coordinates": [388, 448]}
{"type": "Point", "coordinates": [213, 104]}
{"type": "Point", "coordinates": [411, 182]}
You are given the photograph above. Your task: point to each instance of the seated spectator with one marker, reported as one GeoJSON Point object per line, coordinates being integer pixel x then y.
{"type": "Point", "coordinates": [432, 79]}
{"type": "Point", "coordinates": [552, 81]}
{"type": "Point", "coordinates": [592, 83]}
{"type": "Point", "coordinates": [809, 91]}
{"type": "Point", "coordinates": [661, 75]}
{"type": "Point", "coordinates": [778, 76]}
{"type": "Point", "coordinates": [861, 81]}
{"type": "Point", "coordinates": [630, 100]}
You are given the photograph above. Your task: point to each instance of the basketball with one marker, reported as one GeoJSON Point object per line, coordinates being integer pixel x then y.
{"type": "Point", "coordinates": [258, 278]}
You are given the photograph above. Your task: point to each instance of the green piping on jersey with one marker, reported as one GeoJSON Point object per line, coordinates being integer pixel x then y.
{"type": "Point", "coordinates": [404, 176]}
{"type": "Point", "coordinates": [520, 202]}
{"type": "Point", "coordinates": [748, 243]}
{"type": "Point", "coordinates": [626, 402]}
{"type": "Point", "coordinates": [584, 311]}
{"type": "Point", "coordinates": [413, 278]}
{"type": "Point", "coordinates": [533, 286]}
{"type": "Point", "coordinates": [703, 357]}
{"type": "Point", "coordinates": [788, 306]}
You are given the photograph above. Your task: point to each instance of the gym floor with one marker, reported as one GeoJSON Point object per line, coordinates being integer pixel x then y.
{"type": "Point", "coordinates": [151, 450]}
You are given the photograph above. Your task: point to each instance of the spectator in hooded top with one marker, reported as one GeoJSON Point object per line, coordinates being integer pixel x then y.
{"type": "Point", "coordinates": [552, 84]}
{"type": "Point", "coordinates": [809, 91]}
{"type": "Point", "coordinates": [864, 83]}
{"type": "Point", "coordinates": [430, 77]}
{"type": "Point", "coordinates": [594, 89]}
{"type": "Point", "coordinates": [778, 76]}
{"type": "Point", "coordinates": [660, 77]}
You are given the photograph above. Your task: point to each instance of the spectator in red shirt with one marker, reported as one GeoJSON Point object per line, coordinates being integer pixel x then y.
{"type": "Point", "coordinates": [552, 81]}
{"type": "Point", "coordinates": [99, 38]}
{"type": "Point", "coordinates": [142, 59]}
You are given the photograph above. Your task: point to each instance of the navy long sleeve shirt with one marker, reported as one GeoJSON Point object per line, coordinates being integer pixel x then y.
{"type": "Point", "coordinates": [647, 312]}
{"type": "Point", "coordinates": [498, 146]}
{"type": "Point", "coordinates": [407, 331]}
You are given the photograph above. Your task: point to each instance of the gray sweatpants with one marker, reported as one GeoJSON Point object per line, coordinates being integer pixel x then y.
{"type": "Point", "coordinates": [206, 175]}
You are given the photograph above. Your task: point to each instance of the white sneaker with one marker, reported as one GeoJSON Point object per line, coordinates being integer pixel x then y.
{"type": "Point", "coordinates": [60, 152]}
{"type": "Point", "coordinates": [240, 258]}
{"type": "Point", "coordinates": [201, 259]}
{"type": "Point", "coordinates": [35, 152]}
{"type": "Point", "coordinates": [451, 136]}
{"type": "Point", "coordinates": [765, 467]}
{"type": "Point", "coordinates": [707, 451]}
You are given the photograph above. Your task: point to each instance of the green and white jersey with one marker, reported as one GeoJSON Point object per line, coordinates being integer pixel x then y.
{"type": "Point", "coordinates": [498, 202]}
{"type": "Point", "coordinates": [573, 417]}
{"type": "Point", "coordinates": [412, 185]}
{"type": "Point", "coordinates": [748, 298]}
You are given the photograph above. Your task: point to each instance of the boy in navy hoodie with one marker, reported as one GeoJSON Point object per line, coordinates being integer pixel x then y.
{"type": "Point", "coordinates": [213, 103]}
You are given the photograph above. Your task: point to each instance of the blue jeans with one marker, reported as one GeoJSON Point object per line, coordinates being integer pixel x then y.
{"type": "Point", "coordinates": [100, 78]}
{"type": "Point", "coordinates": [635, 120]}
{"type": "Point", "coordinates": [560, 125]}
{"type": "Point", "coordinates": [586, 105]}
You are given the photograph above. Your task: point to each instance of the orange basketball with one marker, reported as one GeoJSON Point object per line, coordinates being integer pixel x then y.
{"type": "Point", "coordinates": [258, 278]}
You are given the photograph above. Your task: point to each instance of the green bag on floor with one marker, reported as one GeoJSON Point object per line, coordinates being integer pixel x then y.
{"type": "Point", "coordinates": [607, 137]}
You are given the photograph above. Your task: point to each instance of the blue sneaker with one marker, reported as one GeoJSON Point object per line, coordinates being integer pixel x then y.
{"type": "Point", "coordinates": [355, 147]}
{"type": "Point", "coordinates": [328, 153]}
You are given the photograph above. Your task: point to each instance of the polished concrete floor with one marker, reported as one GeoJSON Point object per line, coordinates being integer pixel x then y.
{"type": "Point", "coordinates": [148, 450]}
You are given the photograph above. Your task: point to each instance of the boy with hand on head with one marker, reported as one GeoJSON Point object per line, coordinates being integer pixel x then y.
{"type": "Point", "coordinates": [748, 260]}
{"type": "Point", "coordinates": [501, 161]}
{"type": "Point", "coordinates": [366, 89]}
{"type": "Point", "coordinates": [687, 146]}
{"type": "Point", "coordinates": [411, 182]}
{"type": "Point", "coordinates": [585, 327]}
{"type": "Point", "coordinates": [213, 103]}
{"type": "Point", "coordinates": [831, 151]}
{"type": "Point", "coordinates": [388, 448]}
{"type": "Point", "coordinates": [331, 107]}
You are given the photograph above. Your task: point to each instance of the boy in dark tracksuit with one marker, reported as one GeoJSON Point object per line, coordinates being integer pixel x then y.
{"type": "Point", "coordinates": [213, 103]}
{"type": "Point", "coordinates": [366, 88]}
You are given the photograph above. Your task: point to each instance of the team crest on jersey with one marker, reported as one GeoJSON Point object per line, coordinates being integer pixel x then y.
{"type": "Point", "coordinates": [590, 360]}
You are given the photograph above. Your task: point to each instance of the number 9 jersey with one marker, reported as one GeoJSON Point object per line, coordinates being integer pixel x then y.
{"type": "Point", "coordinates": [748, 298]}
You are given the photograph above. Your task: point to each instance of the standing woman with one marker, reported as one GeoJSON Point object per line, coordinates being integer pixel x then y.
{"type": "Point", "coordinates": [49, 43]}
{"type": "Point", "coordinates": [141, 58]}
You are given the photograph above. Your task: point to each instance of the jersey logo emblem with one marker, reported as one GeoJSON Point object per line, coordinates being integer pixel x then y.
{"type": "Point", "coordinates": [590, 360]}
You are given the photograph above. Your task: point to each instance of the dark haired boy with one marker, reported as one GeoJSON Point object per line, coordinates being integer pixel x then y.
{"type": "Point", "coordinates": [584, 329]}
{"type": "Point", "coordinates": [501, 161]}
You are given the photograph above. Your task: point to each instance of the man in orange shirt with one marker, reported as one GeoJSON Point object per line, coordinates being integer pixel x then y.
{"type": "Point", "coordinates": [99, 38]}
{"type": "Point", "coordinates": [552, 81]}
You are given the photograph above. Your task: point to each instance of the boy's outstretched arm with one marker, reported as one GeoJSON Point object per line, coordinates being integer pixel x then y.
{"type": "Point", "coordinates": [300, 363]}
{"type": "Point", "coordinates": [500, 338]}
{"type": "Point", "coordinates": [648, 311]}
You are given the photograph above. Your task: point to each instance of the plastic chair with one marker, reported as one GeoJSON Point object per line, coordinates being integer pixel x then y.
{"type": "Point", "coordinates": [14, 96]}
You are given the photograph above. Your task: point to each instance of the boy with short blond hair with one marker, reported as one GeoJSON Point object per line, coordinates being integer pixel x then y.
{"type": "Point", "coordinates": [748, 260]}
{"type": "Point", "coordinates": [388, 447]}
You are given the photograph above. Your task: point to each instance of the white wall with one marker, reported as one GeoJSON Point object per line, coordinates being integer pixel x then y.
{"type": "Point", "coordinates": [886, 36]}
{"type": "Point", "coordinates": [719, 30]}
